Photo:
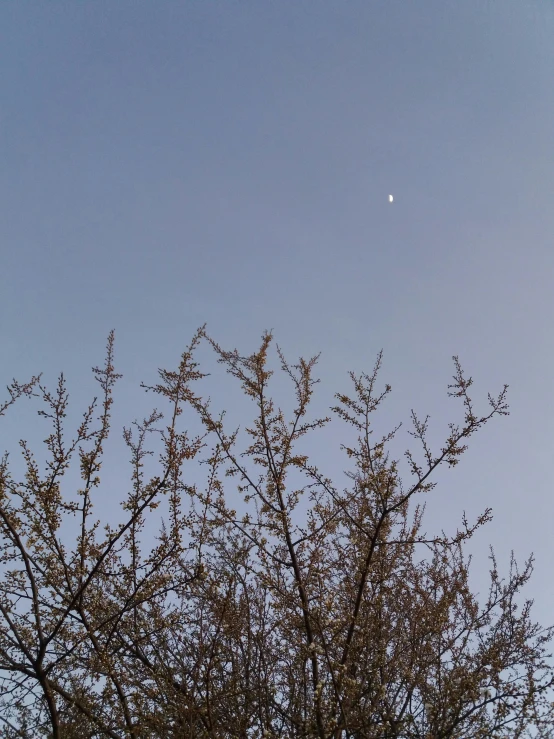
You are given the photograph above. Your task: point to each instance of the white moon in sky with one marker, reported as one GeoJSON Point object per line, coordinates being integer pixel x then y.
{"type": "Point", "coordinates": [390, 198]}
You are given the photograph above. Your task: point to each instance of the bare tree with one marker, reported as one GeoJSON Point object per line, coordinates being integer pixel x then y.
{"type": "Point", "coordinates": [311, 612]}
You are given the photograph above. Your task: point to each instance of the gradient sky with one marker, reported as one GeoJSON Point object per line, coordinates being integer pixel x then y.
{"type": "Point", "coordinates": [166, 164]}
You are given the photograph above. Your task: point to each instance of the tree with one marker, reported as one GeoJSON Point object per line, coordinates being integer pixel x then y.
{"type": "Point", "coordinates": [310, 613]}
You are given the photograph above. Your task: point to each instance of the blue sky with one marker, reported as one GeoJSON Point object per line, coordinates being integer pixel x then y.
{"type": "Point", "coordinates": [173, 163]}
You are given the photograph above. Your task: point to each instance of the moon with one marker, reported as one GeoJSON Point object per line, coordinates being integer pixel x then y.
{"type": "Point", "coordinates": [390, 198]}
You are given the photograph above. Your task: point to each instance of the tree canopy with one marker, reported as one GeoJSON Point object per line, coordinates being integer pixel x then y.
{"type": "Point", "coordinates": [311, 612]}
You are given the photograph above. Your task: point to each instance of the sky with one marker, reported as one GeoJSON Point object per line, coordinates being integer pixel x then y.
{"type": "Point", "coordinates": [165, 165]}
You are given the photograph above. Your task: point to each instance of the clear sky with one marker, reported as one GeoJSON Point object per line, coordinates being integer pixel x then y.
{"type": "Point", "coordinates": [166, 164]}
